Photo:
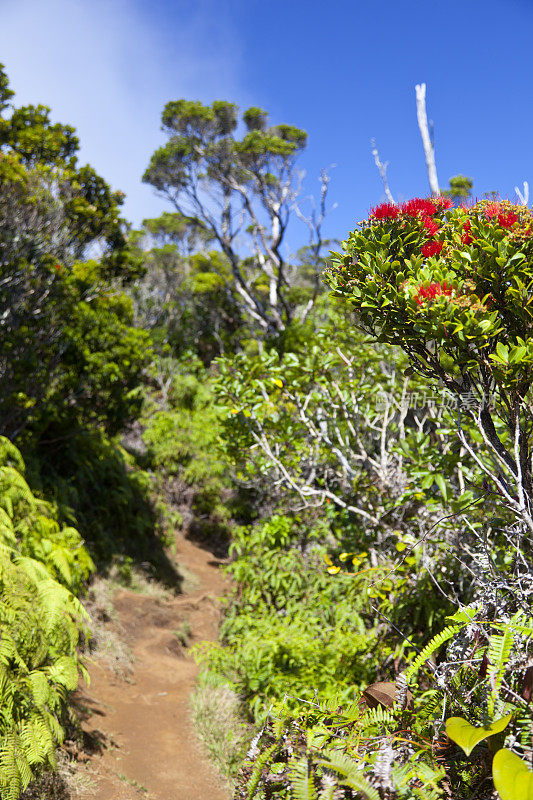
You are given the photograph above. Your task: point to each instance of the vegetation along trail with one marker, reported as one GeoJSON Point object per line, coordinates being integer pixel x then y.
{"type": "Point", "coordinates": [149, 745]}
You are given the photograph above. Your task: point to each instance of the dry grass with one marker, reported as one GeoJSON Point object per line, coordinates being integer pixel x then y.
{"type": "Point", "coordinates": [137, 580]}
{"type": "Point", "coordinates": [219, 726]}
{"type": "Point", "coordinates": [73, 778]}
{"type": "Point", "coordinates": [190, 581]}
{"type": "Point", "coordinates": [140, 578]}
{"type": "Point", "coordinates": [65, 784]}
{"type": "Point", "coordinates": [107, 642]}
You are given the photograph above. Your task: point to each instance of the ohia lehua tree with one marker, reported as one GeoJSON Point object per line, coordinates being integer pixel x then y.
{"type": "Point", "coordinates": [454, 288]}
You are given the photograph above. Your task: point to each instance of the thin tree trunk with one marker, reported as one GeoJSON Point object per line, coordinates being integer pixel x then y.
{"type": "Point", "coordinates": [429, 149]}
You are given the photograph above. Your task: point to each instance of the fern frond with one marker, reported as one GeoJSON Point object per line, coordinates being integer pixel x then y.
{"type": "Point", "coordinates": [302, 781]}
{"type": "Point", "coordinates": [10, 455]}
{"type": "Point", "coordinates": [498, 653]}
{"type": "Point", "coordinates": [39, 688]}
{"type": "Point", "coordinates": [431, 648]}
{"type": "Point", "coordinates": [10, 780]}
{"type": "Point", "coordinates": [257, 770]}
{"type": "Point", "coordinates": [40, 620]}
{"type": "Point", "coordinates": [36, 741]}
{"type": "Point", "coordinates": [65, 672]}
{"type": "Point", "coordinates": [376, 716]}
{"type": "Point", "coordinates": [348, 768]}
{"type": "Point", "coordinates": [434, 702]}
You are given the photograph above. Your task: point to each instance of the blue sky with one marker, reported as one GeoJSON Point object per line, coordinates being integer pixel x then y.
{"type": "Point", "coordinates": [344, 71]}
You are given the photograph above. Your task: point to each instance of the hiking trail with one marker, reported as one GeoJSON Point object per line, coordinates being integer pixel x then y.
{"type": "Point", "coordinates": [148, 744]}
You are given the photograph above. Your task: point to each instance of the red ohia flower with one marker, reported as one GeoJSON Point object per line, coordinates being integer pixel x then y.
{"type": "Point", "coordinates": [507, 220]}
{"type": "Point", "coordinates": [431, 226]}
{"type": "Point", "coordinates": [431, 291]}
{"type": "Point", "coordinates": [491, 209]}
{"type": "Point", "coordinates": [432, 249]}
{"type": "Point", "coordinates": [385, 211]}
{"type": "Point", "coordinates": [466, 238]}
{"type": "Point", "coordinates": [418, 206]}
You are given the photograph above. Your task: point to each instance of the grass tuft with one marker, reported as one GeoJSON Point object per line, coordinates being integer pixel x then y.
{"type": "Point", "coordinates": [219, 726]}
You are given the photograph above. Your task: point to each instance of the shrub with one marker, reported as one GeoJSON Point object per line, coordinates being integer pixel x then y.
{"type": "Point", "coordinates": [181, 435]}
{"type": "Point", "coordinates": [40, 620]}
{"type": "Point", "coordinates": [289, 628]}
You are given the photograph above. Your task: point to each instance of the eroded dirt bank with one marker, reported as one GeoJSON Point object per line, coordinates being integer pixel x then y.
{"type": "Point", "coordinates": [148, 745]}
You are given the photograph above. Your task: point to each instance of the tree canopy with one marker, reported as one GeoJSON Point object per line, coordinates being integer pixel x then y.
{"type": "Point", "coordinates": [238, 181]}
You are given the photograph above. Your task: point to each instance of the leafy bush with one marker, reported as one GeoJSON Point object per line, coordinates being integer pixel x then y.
{"type": "Point", "coordinates": [41, 563]}
{"type": "Point", "coordinates": [66, 343]}
{"type": "Point", "coordinates": [289, 628]}
{"type": "Point", "coordinates": [336, 431]}
{"type": "Point", "coordinates": [452, 288]}
{"type": "Point", "coordinates": [446, 533]}
{"type": "Point", "coordinates": [181, 434]}
{"type": "Point", "coordinates": [329, 750]}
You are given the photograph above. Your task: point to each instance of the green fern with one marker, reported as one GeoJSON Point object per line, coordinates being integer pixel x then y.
{"type": "Point", "coordinates": [40, 623]}
{"type": "Point", "coordinates": [302, 780]}
{"type": "Point", "coordinates": [350, 771]}
{"type": "Point", "coordinates": [431, 648]}
{"type": "Point", "coordinates": [376, 716]}
{"type": "Point", "coordinates": [431, 704]}
{"type": "Point", "coordinates": [257, 770]}
{"type": "Point", "coordinates": [417, 780]}
{"type": "Point", "coordinates": [498, 653]}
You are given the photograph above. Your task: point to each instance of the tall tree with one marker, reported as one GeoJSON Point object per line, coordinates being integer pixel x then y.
{"type": "Point", "coordinates": [58, 311]}
{"type": "Point", "coordinates": [242, 189]}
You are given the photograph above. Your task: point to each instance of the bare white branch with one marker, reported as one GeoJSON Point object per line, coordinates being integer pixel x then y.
{"type": "Point", "coordinates": [429, 149]}
{"type": "Point", "coordinates": [523, 196]}
{"type": "Point", "coordinates": [382, 169]}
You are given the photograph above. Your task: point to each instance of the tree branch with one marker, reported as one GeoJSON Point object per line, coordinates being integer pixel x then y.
{"type": "Point", "coordinates": [382, 169]}
{"type": "Point", "coordinates": [429, 149]}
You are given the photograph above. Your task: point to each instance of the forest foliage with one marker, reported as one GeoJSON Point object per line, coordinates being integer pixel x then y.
{"type": "Point", "coordinates": [354, 428]}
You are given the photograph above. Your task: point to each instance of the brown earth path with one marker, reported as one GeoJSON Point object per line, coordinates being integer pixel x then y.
{"type": "Point", "coordinates": [149, 744]}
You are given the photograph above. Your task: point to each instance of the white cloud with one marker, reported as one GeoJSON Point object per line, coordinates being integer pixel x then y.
{"type": "Point", "coordinates": [108, 67]}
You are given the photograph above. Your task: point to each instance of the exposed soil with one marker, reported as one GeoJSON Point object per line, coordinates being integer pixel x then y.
{"type": "Point", "coordinates": [144, 744]}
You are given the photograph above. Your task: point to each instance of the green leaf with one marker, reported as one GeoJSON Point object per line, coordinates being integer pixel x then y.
{"type": "Point", "coordinates": [503, 352]}
{"type": "Point", "coordinates": [485, 325]}
{"type": "Point", "coordinates": [441, 483]}
{"type": "Point", "coordinates": [517, 354]}
{"type": "Point", "coordinates": [512, 779]}
{"type": "Point", "coordinates": [467, 736]}
{"type": "Point", "coordinates": [466, 614]}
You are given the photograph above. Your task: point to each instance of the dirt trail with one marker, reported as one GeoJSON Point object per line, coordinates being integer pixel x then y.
{"type": "Point", "coordinates": [149, 745]}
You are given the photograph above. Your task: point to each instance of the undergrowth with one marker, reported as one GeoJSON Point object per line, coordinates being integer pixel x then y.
{"type": "Point", "coordinates": [42, 563]}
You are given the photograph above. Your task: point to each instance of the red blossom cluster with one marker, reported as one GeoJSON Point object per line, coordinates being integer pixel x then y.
{"type": "Point", "coordinates": [431, 291]}
{"type": "Point", "coordinates": [507, 220]}
{"type": "Point", "coordinates": [442, 203]}
{"type": "Point", "coordinates": [491, 209]}
{"type": "Point", "coordinates": [432, 249]}
{"type": "Point", "coordinates": [385, 211]}
{"type": "Point", "coordinates": [466, 237]}
{"type": "Point", "coordinates": [425, 209]}
{"type": "Point", "coordinates": [417, 207]}
{"type": "Point", "coordinates": [431, 226]}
